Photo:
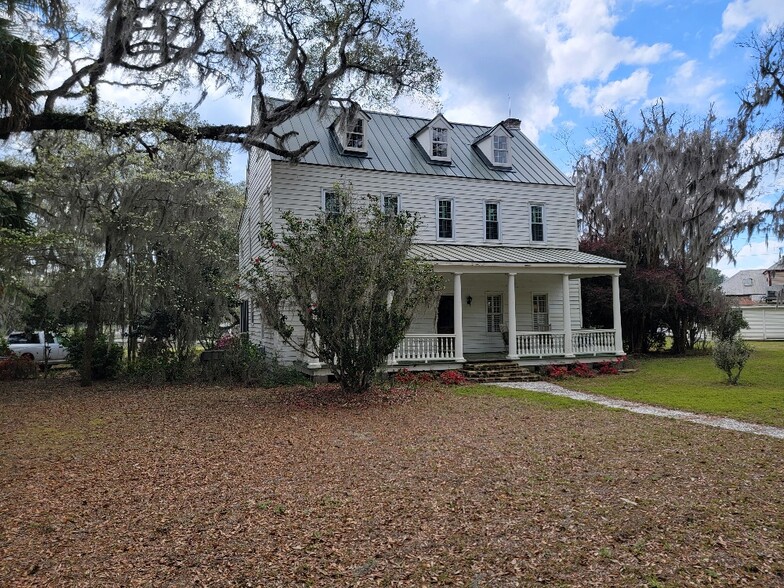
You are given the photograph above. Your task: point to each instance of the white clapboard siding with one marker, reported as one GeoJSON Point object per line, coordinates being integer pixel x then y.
{"type": "Point", "coordinates": [766, 323]}
{"type": "Point", "coordinates": [298, 188]}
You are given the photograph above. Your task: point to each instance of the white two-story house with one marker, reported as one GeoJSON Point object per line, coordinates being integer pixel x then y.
{"type": "Point", "coordinates": [498, 221]}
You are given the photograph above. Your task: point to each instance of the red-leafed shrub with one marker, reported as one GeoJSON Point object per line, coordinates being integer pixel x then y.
{"type": "Point", "coordinates": [405, 377]}
{"type": "Point", "coordinates": [582, 370]}
{"type": "Point", "coordinates": [452, 378]}
{"type": "Point", "coordinates": [17, 368]}
{"type": "Point", "coordinates": [607, 368]}
{"type": "Point", "coordinates": [556, 372]}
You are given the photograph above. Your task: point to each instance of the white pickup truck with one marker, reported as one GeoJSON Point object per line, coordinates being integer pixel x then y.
{"type": "Point", "coordinates": [34, 345]}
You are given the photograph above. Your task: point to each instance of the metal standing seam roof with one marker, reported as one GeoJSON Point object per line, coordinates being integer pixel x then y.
{"type": "Point", "coordinates": [507, 255]}
{"type": "Point", "coordinates": [733, 286]}
{"type": "Point", "coordinates": [391, 148]}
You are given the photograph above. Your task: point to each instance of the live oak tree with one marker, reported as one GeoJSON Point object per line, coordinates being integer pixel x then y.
{"type": "Point", "coordinates": [351, 282]}
{"type": "Point", "coordinates": [314, 51]}
{"type": "Point", "coordinates": [135, 230]}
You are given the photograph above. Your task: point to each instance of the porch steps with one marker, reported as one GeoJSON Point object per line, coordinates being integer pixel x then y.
{"type": "Point", "coordinates": [497, 371]}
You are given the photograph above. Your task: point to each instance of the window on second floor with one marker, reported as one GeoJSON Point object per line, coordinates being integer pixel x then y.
{"type": "Point", "coordinates": [355, 136]}
{"type": "Point", "coordinates": [500, 149]}
{"type": "Point", "coordinates": [391, 204]}
{"type": "Point", "coordinates": [492, 222]}
{"type": "Point", "coordinates": [446, 225]}
{"type": "Point", "coordinates": [748, 281]}
{"type": "Point", "coordinates": [537, 223]}
{"type": "Point", "coordinates": [440, 142]}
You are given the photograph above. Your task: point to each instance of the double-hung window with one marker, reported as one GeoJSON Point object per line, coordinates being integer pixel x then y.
{"type": "Point", "coordinates": [492, 222]}
{"type": "Point", "coordinates": [537, 223]}
{"type": "Point", "coordinates": [541, 314]}
{"type": "Point", "coordinates": [446, 221]}
{"type": "Point", "coordinates": [495, 313]}
{"type": "Point", "coordinates": [331, 203]}
{"type": "Point", "coordinates": [500, 149]}
{"type": "Point", "coordinates": [440, 142]}
{"type": "Point", "coordinates": [391, 204]}
{"type": "Point", "coordinates": [355, 137]}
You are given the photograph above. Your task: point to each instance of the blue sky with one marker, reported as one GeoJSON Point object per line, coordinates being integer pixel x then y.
{"type": "Point", "coordinates": [563, 63]}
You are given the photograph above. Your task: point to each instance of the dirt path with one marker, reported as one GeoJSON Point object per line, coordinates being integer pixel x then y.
{"type": "Point", "coordinates": [681, 415]}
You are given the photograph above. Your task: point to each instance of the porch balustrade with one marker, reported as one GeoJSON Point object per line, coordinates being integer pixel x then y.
{"type": "Point", "coordinates": [593, 342]}
{"type": "Point", "coordinates": [540, 344]}
{"type": "Point", "coordinates": [425, 348]}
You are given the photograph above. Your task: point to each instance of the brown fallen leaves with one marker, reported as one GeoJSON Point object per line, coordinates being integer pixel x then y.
{"type": "Point", "coordinates": [186, 486]}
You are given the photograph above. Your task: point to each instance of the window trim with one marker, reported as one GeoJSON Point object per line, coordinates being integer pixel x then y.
{"type": "Point", "coordinates": [505, 150]}
{"type": "Point", "coordinates": [324, 192]}
{"type": "Point", "coordinates": [500, 313]}
{"type": "Point", "coordinates": [534, 313]}
{"type": "Point", "coordinates": [399, 202]}
{"type": "Point", "coordinates": [349, 130]}
{"type": "Point", "coordinates": [498, 220]}
{"type": "Point", "coordinates": [531, 223]}
{"type": "Point", "coordinates": [438, 218]}
{"type": "Point", "coordinates": [445, 142]}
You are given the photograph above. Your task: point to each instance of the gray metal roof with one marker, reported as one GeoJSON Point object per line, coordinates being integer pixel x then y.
{"type": "Point", "coordinates": [777, 267]}
{"type": "Point", "coordinates": [734, 286]}
{"type": "Point", "coordinates": [507, 255]}
{"type": "Point", "coordinates": [390, 148]}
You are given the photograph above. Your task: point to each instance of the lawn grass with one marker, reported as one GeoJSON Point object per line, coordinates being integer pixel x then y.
{"type": "Point", "coordinates": [694, 383]}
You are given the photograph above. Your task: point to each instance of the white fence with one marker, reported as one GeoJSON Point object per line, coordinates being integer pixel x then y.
{"type": "Point", "coordinates": [766, 323]}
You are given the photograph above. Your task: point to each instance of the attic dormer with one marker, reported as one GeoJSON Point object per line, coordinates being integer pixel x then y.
{"type": "Point", "coordinates": [495, 145]}
{"type": "Point", "coordinates": [435, 140]}
{"type": "Point", "coordinates": [351, 133]}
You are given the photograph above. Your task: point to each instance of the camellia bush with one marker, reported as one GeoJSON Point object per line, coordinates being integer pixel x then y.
{"type": "Point", "coordinates": [348, 276]}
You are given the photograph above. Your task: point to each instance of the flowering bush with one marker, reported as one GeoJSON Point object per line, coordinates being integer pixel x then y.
{"type": "Point", "coordinates": [225, 341]}
{"type": "Point", "coordinates": [582, 370]}
{"type": "Point", "coordinates": [406, 377]}
{"type": "Point", "coordinates": [607, 368]}
{"type": "Point", "coordinates": [556, 372]}
{"type": "Point", "coordinates": [452, 378]}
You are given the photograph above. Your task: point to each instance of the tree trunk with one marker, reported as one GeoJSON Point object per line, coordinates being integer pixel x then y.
{"type": "Point", "coordinates": [86, 369]}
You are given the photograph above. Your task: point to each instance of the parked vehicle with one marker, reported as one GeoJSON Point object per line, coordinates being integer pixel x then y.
{"type": "Point", "coordinates": [37, 346]}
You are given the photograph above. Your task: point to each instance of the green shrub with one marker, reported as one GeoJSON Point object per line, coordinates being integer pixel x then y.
{"type": "Point", "coordinates": [245, 363]}
{"type": "Point", "coordinates": [728, 324]}
{"type": "Point", "coordinates": [730, 356]}
{"type": "Point", "coordinates": [107, 357]}
{"type": "Point", "coordinates": [163, 367]}
{"type": "Point", "coordinates": [5, 350]}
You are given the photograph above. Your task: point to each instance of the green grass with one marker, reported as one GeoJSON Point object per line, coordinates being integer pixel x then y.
{"type": "Point", "coordinates": [694, 383]}
{"type": "Point", "coordinates": [527, 396]}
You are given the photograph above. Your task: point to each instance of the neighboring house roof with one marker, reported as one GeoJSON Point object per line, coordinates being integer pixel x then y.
{"type": "Point", "coordinates": [776, 267]}
{"type": "Point", "coordinates": [507, 255]}
{"type": "Point", "coordinates": [737, 284]}
{"type": "Point", "coordinates": [391, 148]}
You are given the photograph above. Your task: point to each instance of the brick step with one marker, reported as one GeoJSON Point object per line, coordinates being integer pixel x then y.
{"type": "Point", "coordinates": [496, 371]}
{"type": "Point", "coordinates": [510, 374]}
{"type": "Point", "coordinates": [492, 380]}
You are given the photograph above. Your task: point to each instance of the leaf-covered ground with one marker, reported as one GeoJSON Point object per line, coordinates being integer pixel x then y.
{"type": "Point", "coordinates": [188, 486]}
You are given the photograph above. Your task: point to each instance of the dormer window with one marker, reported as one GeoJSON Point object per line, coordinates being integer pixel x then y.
{"type": "Point", "coordinates": [440, 142]}
{"type": "Point", "coordinates": [500, 150]}
{"type": "Point", "coordinates": [355, 137]}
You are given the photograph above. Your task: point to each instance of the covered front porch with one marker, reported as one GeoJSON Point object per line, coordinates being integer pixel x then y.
{"type": "Point", "coordinates": [520, 304]}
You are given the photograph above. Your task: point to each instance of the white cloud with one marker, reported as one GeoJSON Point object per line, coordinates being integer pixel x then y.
{"type": "Point", "coordinates": [754, 255]}
{"type": "Point", "coordinates": [613, 95]}
{"type": "Point", "coordinates": [741, 13]}
{"type": "Point", "coordinates": [692, 85]}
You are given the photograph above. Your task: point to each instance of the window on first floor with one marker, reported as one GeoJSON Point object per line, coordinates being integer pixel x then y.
{"type": "Point", "coordinates": [495, 313]}
{"type": "Point", "coordinates": [537, 223]}
{"type": "Point", "coordinates": [541, 313]}
{"type": "Point", "coordinates": [331, 203]}
{"type": "Point", "coordinates": [446, 225]}
{"type": "Point", "coordinates": [492, 222]}
{"type": "Point", "coordinates": [391, 204]}
{"type": "Point", "coordinates": [244, 322]}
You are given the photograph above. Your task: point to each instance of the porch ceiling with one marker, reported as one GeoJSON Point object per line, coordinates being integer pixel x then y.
{"type": "Point", "coordinates": [511, 256]}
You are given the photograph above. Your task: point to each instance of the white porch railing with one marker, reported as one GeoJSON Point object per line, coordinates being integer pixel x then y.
{"type": "Point", "coordinates": [593, 341]}
{"type": "Point", "coordinates": [425, 348]}
{"type": "Point", "coordinates": [540, 344]}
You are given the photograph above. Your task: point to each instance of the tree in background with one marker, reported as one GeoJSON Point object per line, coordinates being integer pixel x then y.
{"type": "Point", "coordinates": [350, 280]}
{"type": "Point", "coordinates": [315, 51]}
{"type": "Point", "coordinates": [130, 224]}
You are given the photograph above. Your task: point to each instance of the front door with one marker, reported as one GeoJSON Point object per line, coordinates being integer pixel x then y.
{"type": "Point", "coordinates": [445, 321]}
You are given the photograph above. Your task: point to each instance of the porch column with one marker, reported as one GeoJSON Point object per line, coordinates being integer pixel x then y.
{"type": "Point", "coordinates": [390, 298]}
{"type": "Point", "coordinates": [511, 319]}
{"type": "Point", "coordinates": [458, 316]}
{"type": "Point", "coordinates": [314, 363]}
{"type": "Point", "coordinates": [616, 290]}
{"type": "Point", "coordinates": [567, 318]}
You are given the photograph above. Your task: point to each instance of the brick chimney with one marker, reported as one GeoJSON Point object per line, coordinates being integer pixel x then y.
{"type": "Point", "coordinates": [512, 124]}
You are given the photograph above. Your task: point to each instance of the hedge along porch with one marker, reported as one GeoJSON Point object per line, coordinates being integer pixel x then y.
{"type": "Point", "coordinates": [485, 286]}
